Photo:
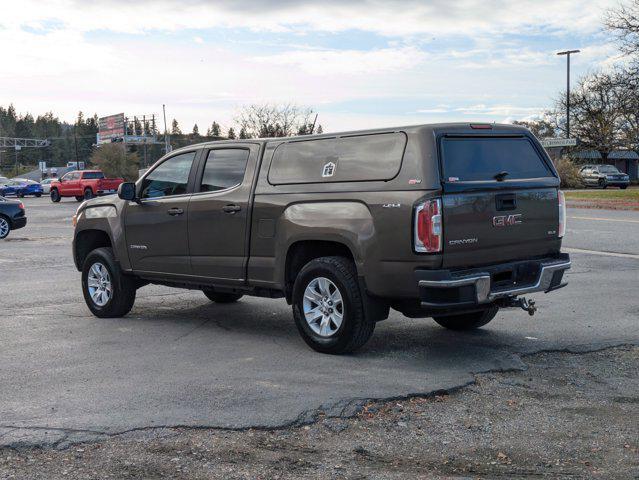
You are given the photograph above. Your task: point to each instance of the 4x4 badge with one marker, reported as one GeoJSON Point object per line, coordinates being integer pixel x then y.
{"type": "Point", "coordinates": [328, 170]}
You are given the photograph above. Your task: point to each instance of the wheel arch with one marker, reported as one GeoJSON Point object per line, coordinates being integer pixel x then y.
{"type": "Point", "coordinates": [86, 241]}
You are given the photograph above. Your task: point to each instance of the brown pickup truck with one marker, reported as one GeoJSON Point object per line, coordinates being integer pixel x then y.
{"type": "Point", "coordinates": [449, 221]}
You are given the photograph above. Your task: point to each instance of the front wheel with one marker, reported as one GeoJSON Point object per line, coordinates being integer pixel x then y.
{"type": "Point", "coordinates": [467, 321]}
{"type": "Point", "coordinates": [5, 227]}
{"type": "Point", "coordinates": [55, 195]}
{"type": "Point", "coordinates": [219, 297]}
{"type": "Point", "coordinates": [38, 195]}
{"type": "Point", "coordinates": [602, 183]}
{"type": "Point", "coordinates": [328, 306]}
{"type": "Point", "coordinates": [107, 291]}
{"type": "Point", "coordinates": [88, 194]}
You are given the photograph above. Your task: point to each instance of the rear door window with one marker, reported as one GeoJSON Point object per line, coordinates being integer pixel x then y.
{"type": "Point", "coordinates": [93, 175]}
{"type": "Point", "coordinates": [224, 169]}
{"type": "Point", "coordinates": [470, 159]}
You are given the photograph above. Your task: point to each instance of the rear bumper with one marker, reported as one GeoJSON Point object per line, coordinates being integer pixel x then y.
{"type": "Point", "coordinates": [18, 223]}
{"type": "Point", "coordinates": [452, 289]}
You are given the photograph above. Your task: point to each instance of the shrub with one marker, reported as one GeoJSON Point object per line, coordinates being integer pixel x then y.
{"type": "Point", "coordinates": [115, 161]}
{"type": "Point", "coordinates": [569, 173]}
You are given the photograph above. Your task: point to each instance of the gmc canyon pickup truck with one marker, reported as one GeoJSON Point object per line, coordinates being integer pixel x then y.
{"type": "Point", "coordinates": [83, 185]}
{"type": "Point", "coordinates": [449, 221]}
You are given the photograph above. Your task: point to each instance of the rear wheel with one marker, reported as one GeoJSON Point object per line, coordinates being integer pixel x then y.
{"type": "Point", "coordinates": [623, 187]}
{"type": "Point", "coordinates": [467, 321]}
{"type": "Point", "coordinates": [55, 195]}
{"type": "Point", "coordinates": [107, 291]}
{"type": "Point", "coordinates": [38, 195]}
{"type": "Point", "coordinates": [88, 194]}
{"type": "Point", "coordinates": [219, 297]}
{"type": "Point", "coordinates": [5, 227]}
{"type": "Point", "coordinates": [602, 183]}
{"type": "Point", "coordinates": [328, 306]}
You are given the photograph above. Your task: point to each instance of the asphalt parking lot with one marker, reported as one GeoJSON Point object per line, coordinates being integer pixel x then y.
{"type": "Point", "coordinates": [179, 360]}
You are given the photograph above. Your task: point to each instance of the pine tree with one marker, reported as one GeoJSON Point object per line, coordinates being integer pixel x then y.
{"type": "Point", "coordinates": [320, 130]}
{"type": "Point", "coordinates": [175, 128]}
{"type": "Point", "coordinates": [215, 130]}
{"type": "Point", "coordinates": [231, 134]}
{"type": "Point", "coordinates": [196, 131]}
{"type": "Point", "coordinates": [244, 134]}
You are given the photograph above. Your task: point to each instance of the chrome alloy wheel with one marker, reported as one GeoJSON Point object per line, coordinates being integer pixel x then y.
{"type": "Point", "coordinates": [4, 227]}
{"type": "Point", "coordinates": [99, 283]}
{"type": "Point", "coordinates": [323, 307]}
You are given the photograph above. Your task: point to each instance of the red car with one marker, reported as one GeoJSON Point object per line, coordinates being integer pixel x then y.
{"type": "Point", "coordinates": [83, 185]}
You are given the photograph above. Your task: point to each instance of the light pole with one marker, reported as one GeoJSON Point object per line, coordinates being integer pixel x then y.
{"type": "Point", "coordinates": [567, 53]}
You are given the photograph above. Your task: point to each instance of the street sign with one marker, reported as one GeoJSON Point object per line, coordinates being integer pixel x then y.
{"type": "Point", "coordinates": [558, 142]}
{"type": "Point", "coordinates": [43, 166]}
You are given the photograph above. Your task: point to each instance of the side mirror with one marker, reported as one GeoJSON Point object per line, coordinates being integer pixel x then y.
{"type": "Point", "coordinates": [126, 191]}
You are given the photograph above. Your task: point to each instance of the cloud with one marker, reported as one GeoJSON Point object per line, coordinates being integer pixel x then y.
{"type": "Point", "coordinates": [347, 62]}
{"type": "Point", "coordinates": [398, 18]}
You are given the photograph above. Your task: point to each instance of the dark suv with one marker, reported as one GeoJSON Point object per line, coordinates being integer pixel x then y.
{"type": "Point", "coordinates": [450, 221]}
{"type": "Point", "coordinates": [603, 176]}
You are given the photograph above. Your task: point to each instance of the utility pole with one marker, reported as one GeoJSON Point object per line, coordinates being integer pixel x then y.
{"type": "Point", "coordinates": [567, 53]}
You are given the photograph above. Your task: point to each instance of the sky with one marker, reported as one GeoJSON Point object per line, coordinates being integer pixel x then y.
{"type": "Point", "coordinates": [359, 64]}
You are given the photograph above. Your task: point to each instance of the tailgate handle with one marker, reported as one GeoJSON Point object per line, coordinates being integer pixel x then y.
{"type": "Point", "coordinates": [505, 201]}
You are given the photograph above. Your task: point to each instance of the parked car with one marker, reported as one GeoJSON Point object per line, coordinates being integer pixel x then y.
{"type": "Point", "coordinates": [46, 185]}
{"type": "Point", "coordinates": [3, 181]}
{"type": "Point", "coordinates": [604, 176]}
{"type": "Point", "coordinates": [21, 187]}
{"type": "Point", "coordinates": [450, 221]}
{"type": "Point", "coordinates": [12, 216]}
{"type": "Point", "coordinates": [83, 185]}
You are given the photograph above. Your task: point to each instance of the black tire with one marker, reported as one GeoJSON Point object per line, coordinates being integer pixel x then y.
{"type": "Point", "coordinates": [602, 183]}
{"type": "Point", "coordinates": [123, 287]}
{"type": "Point", "coordinates": [5, 223]}
{"type": "Point", "coordinates": [38, 195]}
{"type": "Point", "coordinates": [55, 195]}
{"type": "Point", "coordinates": [20, 194]}
{"type": "Point", "coordinates": [219, 297]}
{"type": "Point", "coordinates": [356, 328]}
{"type": "Point", "coordinates": [79, 198]}
{"type": "Point", "coordinates": [88, 194]}
{"type": "Point", "coordinates": [623, 187]}
{"type": "Point", "coordinates": [467, 321]}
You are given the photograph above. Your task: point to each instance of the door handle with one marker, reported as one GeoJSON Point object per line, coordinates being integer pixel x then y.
{"type": "Point", "coordinates": [231, 208]}
{"type": "Point", "coordinates": [175, 211]}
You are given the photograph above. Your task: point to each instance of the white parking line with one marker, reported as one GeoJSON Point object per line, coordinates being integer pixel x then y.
{"type": "Point", "coordinates": [602, 219]}
{"type": "Point", "coordinates": [597, 252]}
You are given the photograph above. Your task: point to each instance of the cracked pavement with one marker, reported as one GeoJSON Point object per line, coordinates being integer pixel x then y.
{"type": "Point", "coordinates": [179, 360]}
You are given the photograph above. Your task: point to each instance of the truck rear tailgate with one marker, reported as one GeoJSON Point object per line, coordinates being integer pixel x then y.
{"type": "Point", "coordinates": [500, 201]}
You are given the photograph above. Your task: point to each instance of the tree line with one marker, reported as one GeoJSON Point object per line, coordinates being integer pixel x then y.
{"type": "Point", "coordinates": [76, 141]}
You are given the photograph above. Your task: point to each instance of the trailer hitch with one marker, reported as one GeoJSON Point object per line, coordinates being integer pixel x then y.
{"type": "Point", "coordinates": [523, 303]}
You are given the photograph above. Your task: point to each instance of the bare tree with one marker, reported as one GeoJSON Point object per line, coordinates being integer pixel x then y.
{"type": "Point", "coordinates": [597, 112]}
{"type": "Point", "coordinates": [624, 23]}
{"type": "Point", "coordinates": [270, 120]}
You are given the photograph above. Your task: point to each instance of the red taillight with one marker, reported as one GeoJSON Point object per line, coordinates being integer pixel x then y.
{"type": "Point", "coordinates": [21, 206]}
{"type": "Point", "coordinates": [562, 214]}
{"type": "Point", "coordinates": [428, 226]}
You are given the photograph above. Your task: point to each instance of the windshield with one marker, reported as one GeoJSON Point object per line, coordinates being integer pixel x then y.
{"type": "Point", "coordinates": [467, 159]}
{"type": "Point", "coordinates": [608, 169]}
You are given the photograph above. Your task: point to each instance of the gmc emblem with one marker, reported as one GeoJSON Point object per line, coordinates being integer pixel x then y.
{"type": "Point", "coordinates": [507, 220]}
